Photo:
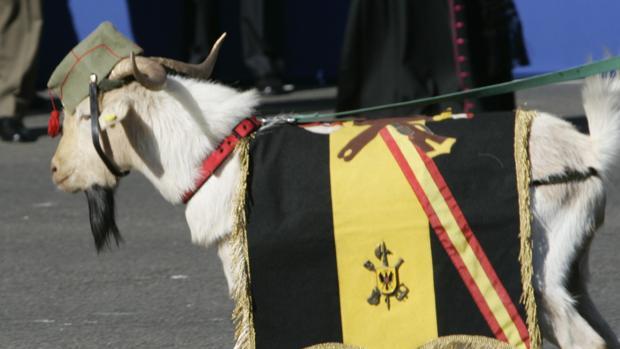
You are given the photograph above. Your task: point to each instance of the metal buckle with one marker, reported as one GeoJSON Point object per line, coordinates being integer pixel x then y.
{"type": "Point", "coordinates": [276, 120]}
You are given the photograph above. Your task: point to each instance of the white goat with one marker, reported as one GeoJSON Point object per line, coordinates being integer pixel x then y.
{"type": "Point", "coordinates": [166, 134]}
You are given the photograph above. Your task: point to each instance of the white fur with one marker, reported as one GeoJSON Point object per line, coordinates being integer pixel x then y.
{"type": "Point", "coordinates": [188, 119]}
{"type": "Point", "coordinates": [171, 131]}
{"type": "Point", "coordinates": [323, 128]}
{"type": "Point", "coordinates": [602, 105]}
{"type": "Point", "coordinates": [566, 215]}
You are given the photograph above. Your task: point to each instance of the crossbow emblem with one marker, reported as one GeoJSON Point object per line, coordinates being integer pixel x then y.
{"type": "Point", "coordinates": [388, 283]}
{"type": "Point", "coordinates": [414, 127]}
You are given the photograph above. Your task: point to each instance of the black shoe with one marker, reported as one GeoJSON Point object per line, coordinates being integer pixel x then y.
{"type": "Point", "coordinates": [12, 129]}
{"type": "Point", "coordinates": [273, 86]}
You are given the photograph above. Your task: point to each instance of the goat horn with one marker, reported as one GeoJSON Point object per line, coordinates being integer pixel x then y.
{"type": "Point", "coordinates": [200, 71]}
{"type": "Point", "coordinates": [147, 72]}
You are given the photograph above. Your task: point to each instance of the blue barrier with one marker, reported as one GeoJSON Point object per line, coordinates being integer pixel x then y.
{"type": "Point", "coordinates": [565, 33]}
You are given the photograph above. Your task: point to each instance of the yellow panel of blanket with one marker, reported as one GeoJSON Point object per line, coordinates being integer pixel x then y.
{"type": "Point", "coordinates": [373, 204]}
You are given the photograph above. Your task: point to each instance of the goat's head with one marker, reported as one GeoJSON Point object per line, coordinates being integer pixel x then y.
{"type": "Point", "coordinates": [76, 166]}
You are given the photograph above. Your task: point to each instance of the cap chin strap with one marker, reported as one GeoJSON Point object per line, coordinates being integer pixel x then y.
{"type": "Point", "coordinates": [95, 128]}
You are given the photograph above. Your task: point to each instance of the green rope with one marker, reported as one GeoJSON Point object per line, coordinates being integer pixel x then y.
{"type": "Point", "coordinates": [576, 73]}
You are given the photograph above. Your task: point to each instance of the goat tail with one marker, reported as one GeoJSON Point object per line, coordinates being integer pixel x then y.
{"type": "Point", "coordinates": [601, 101]}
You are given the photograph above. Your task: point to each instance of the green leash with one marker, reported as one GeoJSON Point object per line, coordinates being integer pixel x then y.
{"type": "Point", "coordinates": [576, 73]}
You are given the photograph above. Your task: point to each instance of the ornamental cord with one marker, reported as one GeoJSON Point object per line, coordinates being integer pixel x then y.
{"type": "Point", "coordinates": [332, 346]}
{"type": "Point", "coordinates": [523, 125]}
{"type": "Point", "coordinates": [245, 336]}
{"type": "Point", "coordinates": [465, 342]}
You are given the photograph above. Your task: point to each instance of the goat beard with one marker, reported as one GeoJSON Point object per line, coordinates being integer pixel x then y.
{"type": "Point", "coordinates": [102, 220]}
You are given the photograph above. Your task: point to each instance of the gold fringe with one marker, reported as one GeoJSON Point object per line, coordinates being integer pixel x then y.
{"type": "Point", "coordinates": [465, 342]}
{"type": "Point", "coordinates": [332, 346]}
{"type": "Point", "coordinates": [523, 125]}
{"type": "Point", "coordinates": [245, 336]}
{"type": "Point", "coordinates": [446, 342]}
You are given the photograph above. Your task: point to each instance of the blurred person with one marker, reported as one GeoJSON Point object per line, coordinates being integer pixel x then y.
{"type": "Point", "coordinates": [203, 19]}
{"type": "Point", "coordinates": [20, 29]}
{"type": "Point", "coordinates": [262, 38]}
{"type": "Point", "coordinates": [402, 50]}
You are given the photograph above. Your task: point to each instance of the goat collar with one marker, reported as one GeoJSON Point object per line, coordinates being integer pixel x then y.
{"type": "Point", "coordinates": [214, 160]}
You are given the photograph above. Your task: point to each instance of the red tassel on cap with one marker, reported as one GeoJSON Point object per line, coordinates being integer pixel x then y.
{"type": "Point", "coordinates": [53, 125]}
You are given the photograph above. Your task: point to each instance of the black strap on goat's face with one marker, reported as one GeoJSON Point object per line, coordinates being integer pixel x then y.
{"type": "Point", "coordinates": [95, 129]}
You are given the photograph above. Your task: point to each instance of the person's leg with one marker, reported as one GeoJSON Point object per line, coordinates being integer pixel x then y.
{"type": "Point", "coordinates": [205, 30]}
{"type": "Point", "coordinates": [253, 38]}
{"type": "Point", "coordinates": [20, 28]}
{"type": "Point", "coordinates": [261, 30]}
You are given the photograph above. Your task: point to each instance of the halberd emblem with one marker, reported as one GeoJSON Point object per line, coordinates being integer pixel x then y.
{"type": "Point", "coordinates": [387, 281]}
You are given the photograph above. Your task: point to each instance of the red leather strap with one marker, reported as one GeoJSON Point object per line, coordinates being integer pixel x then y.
{"type": "Point", "coordinates": [221, 153]}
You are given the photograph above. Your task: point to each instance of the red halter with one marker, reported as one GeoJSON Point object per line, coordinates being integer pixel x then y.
{"type": "Point", "coordinates": [216, 158]}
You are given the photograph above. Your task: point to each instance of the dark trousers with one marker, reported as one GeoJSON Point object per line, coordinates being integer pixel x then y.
{"type": "Point", "coordinates": [262, 36]}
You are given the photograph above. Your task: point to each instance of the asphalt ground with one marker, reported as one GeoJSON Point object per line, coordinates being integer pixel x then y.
{"type": "Point", "coordinates": [158, 290]}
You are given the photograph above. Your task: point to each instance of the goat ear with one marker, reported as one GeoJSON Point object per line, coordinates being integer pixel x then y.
{"type": "Point", "coordinates": [115, 113]}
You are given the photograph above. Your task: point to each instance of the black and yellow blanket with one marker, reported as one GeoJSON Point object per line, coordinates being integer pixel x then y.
{"type": "Point", "coordinates": [386, 234]}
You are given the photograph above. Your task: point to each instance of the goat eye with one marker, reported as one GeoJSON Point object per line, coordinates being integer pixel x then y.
{"type": "Point", "coordinates": [85, 117]}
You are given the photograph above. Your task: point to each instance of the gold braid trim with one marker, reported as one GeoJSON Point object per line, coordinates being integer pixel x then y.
{"type": "Point", "coordinates": [446, 342]}
{"type": "Point", "coordinates": [332, 346]}
{"type": "Point", "coordinates": [465, 342]}
{"type": "Point", "coordinates": [245, 336]}
{"type": "Point", "coordinates": [523, 125]}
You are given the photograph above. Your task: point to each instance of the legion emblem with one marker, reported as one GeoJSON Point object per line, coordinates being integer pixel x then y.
{"type": "Point", "coordinates": [388, 284]}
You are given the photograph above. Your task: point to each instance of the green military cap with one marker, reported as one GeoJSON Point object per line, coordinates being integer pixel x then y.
{"type": "Point", "coordinates": [96, 54]}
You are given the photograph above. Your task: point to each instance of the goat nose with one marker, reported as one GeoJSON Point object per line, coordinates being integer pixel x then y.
{"type": "Point", "coordinates": [54, 166]}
